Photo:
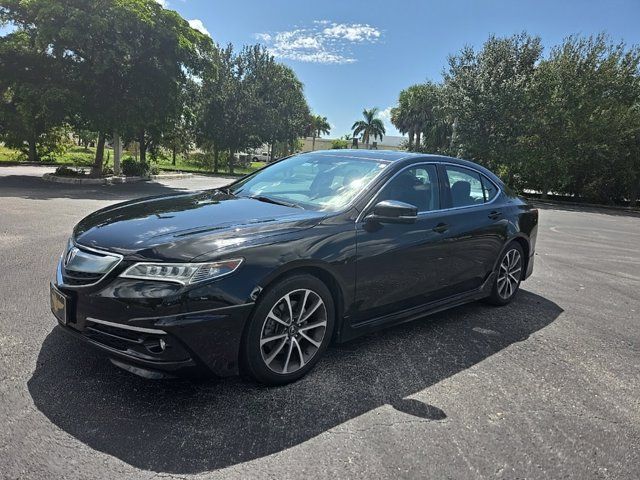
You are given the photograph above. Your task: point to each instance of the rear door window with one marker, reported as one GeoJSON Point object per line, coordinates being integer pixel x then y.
{"type": "Point", "coordinates": [465, 186]}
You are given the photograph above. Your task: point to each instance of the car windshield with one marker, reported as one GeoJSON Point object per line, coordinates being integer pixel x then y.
{"type": "Point", "coordinates": [314, 181]}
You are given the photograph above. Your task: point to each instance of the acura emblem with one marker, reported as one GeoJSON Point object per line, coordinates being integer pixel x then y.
{"type": "Point", "coordinates": [73, 251]}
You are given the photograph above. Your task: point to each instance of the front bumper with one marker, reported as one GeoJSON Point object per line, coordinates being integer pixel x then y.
{"type": "Point", "coordinates": [155, 327]}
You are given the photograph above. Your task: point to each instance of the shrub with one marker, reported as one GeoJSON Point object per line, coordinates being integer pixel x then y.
{"type": "Point", "coordinates": [200, 159]}
{"type": "Point", "coordinates": [339, 144]}
{"type": "Point", "coordinates": [131, 168]}
{"type": "Point", "coordinates": [63, 171]}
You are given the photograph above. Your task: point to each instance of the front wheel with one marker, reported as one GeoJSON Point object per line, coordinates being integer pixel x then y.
{"type": "Point", "coordinates": [509, 275]}
{"type": "Point", "coordinates": [289, 330]}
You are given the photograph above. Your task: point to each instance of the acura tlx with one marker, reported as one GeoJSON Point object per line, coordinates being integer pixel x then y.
{"type": "Point", "coordinates": [260, 276]}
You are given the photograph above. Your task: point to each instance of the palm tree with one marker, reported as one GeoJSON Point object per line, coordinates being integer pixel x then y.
{"type": "Point", "coordinates": [370, 127]}
{"type": "Point", "coordinates": [400, 118]}
{"type": "Point", "coordinates": [421, 111]}
{"type": "Point", "coordinates": [317, 126]}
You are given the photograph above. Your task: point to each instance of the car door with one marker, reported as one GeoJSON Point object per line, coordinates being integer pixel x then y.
{"type": "Point", "coordinates": [400, 266]}
{"type": "Point", "coordinates": [476, 228]}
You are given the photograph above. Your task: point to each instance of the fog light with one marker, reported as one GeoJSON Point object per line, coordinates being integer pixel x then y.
{"type": "Point", "coordinates": [156, 345]}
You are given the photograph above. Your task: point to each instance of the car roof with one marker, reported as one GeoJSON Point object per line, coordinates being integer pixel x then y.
{"type": "Point", "coordinates": [395, 155]}
{"type": "Point", "coordinates": [388, 155]}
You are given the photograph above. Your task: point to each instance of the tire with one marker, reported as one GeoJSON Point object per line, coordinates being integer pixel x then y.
{"type": "Point", "coordinates": [509, 275]}
{"type": "Point", "coordinates": [276, 350]}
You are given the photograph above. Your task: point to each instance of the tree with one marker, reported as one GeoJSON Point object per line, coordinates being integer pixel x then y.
{"type": "Point", "coordinates": [585, 106]}
{"type": "Point", "coordinates": [34, 100]}
{"type": "Point", "coordinates": [85, 137]}
{"type": "Point", "coordinates": [281, 109]}
{"type": "Point", "coordinates": [179, 134]}
{"type": "Point", "coordinates": [249, 99]}
{"type": "Point", "coordinates": [317, 125]}
{"type": "Point", "coordinates": [421, 110]}
{"type": "Point", "coordinates": [401, 117]}
{"type": "Point", "coordinates": [486, 95]}
{"type": "Point", "coordinates": [370, 127]}
{"type": "Point", "coordinates": [227, 118]}
{"type": "Point", "coordinates": [128, 60]}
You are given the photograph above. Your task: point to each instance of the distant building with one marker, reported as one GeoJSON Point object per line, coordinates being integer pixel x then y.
{"type": "Point", "coordinates": [388, 142]}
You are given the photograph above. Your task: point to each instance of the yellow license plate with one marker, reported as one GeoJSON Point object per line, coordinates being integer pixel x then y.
{"type": "Point", "coordinates": [58, 304]}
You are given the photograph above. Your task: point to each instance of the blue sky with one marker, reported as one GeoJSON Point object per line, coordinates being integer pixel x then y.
{"type": "Point", "coordinates": [354, 54]}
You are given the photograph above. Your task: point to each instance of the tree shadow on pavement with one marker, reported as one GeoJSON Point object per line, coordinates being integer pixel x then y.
{"type": "Point", "coordinates": [566, 207]}
{"type": "Point", "coordinates": [35, 188]}
{"type": "Point", "coordinates": [183, 427]}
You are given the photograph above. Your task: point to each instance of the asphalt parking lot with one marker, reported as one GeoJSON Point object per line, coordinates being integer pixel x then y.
{"type": "Point", "coordinates": [547, 387]}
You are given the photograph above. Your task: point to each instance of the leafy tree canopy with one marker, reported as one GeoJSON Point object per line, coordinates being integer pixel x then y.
{"type": "Point", "coordinates": [128, 59]}
{"type": "Point", "coordinates": [568, 123]}
{"type": "Point", "coordinates": [34, 100]}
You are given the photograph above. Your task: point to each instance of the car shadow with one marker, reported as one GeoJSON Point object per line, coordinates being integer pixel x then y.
{"type": "Point", "coordinates": [181, 427]}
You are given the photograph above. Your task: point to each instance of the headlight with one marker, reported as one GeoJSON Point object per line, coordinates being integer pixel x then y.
{"type": "Point", "coordinates": [184, 273]}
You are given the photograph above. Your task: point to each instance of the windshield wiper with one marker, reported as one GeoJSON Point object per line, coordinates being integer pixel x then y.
{"type": "Point", "coordinates": [226, 190]}
{"type": "Point", "coordinates": [264, 198]}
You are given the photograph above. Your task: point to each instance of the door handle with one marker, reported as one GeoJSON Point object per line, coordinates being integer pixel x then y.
{"type": "Point", "coordinates": [441, 228]}
{"type": "Point", "coordinates": [495, 215]}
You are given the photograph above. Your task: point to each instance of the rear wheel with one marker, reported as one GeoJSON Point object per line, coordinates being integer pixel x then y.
{"type": "Point", "coordinates": [509, 275]}
{"type": "Point", "coordinates": [289, 330]}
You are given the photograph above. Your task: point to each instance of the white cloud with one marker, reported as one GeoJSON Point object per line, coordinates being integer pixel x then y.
{"type": "Point", "coordinates": [163, 3]}
{"type": "Point", "coordinates": [385, 114]}
{"type": "Point", "coordinates": [296, 40]}
{"type": "Point", "coordinates": [355, 32]}
{"type": "Point", "coordinates": [314, 57]}
{"type": "Point", "coordinates": [198, 25]}
{"type": "Point", "coordinates": [323, 42]}
{"type": "Point", "coordinates": [263, 37]}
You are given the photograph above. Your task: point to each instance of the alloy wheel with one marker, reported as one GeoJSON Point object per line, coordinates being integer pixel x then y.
{"type": "Point", "coordinates": [293, 331]}
{"type": "Point", "coordinates": [509, 274]}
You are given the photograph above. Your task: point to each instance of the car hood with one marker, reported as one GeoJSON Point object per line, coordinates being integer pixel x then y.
{"type": "Point", "coordinates": [182, 227]}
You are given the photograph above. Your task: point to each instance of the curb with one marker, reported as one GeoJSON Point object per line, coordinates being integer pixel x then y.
{"type": "Point", "coordinates": [171, 176]}
{"type": "Point", "coordinates": [50, 177]}
{"type": "Point", "coordinates": [211, 174]}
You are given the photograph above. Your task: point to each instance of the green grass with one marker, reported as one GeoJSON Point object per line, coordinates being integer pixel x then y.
{"type": "Point", "coordinates": [78, 156]}
{"type": "Point", "coordinates": [81, 157]}
{"type": "Point", "coordinates": [8, 155]}
{"type": "Point", "coordinates": [73, 156]}
{"type": "Point", "coordinates": [197, 163]}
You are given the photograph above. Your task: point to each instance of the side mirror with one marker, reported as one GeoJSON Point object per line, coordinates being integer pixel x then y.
{"type": "Point", "coordinates": [393, 211]}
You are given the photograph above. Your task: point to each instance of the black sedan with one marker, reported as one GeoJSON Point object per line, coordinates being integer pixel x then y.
{"type": "Point", "coordinates": [259, 277]}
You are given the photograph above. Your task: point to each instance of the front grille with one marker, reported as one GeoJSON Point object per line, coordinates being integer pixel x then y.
{"type": "Point", "coordinates": [74, 278]}
{"type": "Point", "coordinates": [83, 267]}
